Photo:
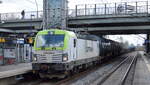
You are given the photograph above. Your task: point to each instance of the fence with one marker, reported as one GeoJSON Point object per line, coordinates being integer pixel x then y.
{"type": "Point", "coordinates": [110, 8]}
{"type": "Point", "coordinates": [18, 16]}
{"type": "Point", "coordinates": [88, 10]}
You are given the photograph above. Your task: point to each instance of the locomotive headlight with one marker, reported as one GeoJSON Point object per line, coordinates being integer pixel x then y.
{"type": "Point", "coordinates": [35, 57]}
{"type": "Point", "coordinates": [65, 57]}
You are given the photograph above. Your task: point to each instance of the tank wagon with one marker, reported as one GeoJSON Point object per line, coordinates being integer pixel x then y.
{"type": "Point", "coordinates": [109, 48]}
{"type": "Point", "coordinates": [59, 52]}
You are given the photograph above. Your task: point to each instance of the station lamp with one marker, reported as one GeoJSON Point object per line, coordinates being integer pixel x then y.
{"type": "Point", "coordinates": [30, 40]}
{"type": "Point", "coordinates": [2, 40]}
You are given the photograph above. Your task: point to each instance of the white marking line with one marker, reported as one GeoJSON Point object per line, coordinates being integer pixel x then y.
{"type": "Point", "coordinates": [146, 62]}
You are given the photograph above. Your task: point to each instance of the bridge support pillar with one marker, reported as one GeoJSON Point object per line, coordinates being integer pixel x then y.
{"type": "Point", "coordinates": [147, 42]}
{"type": "Point", "coordinates": [55, 14]}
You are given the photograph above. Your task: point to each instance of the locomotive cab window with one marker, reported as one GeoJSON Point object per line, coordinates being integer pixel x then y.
{"type": "Point", "coordinates": [50, 41]}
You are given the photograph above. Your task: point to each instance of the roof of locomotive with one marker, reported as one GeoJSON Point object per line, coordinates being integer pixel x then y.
{"type": "Point", "coordinates": [73, 34]}
{"type": "Point", "coordinates": [57, 31]}
{"type": "Point", "coordinates": [70, 33]}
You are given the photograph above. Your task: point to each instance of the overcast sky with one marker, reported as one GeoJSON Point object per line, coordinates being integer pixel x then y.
{"type": "Point", "coordinates": [18, 5]}
{"type": "Point", "coordinates": [131, 39]}
{"type": "Point", "coordinates": [29, 5]}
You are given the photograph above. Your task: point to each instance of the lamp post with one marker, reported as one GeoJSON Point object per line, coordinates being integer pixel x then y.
{"type": "Point", "coordinates": [0, 13]}
{"type": "Point", "coordinates": [2, 47]}
{"type": "Point", "coordinates": [37, 8]}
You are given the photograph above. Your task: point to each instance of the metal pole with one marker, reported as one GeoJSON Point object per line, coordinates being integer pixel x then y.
{"type": "Point", "coordinates": [76, 10]}
{"type": "Point", "coordinates": [95, 9]}
{"type": "Point", "coordinates": [85, 9]}
{"type": "Point", "coordinates": [23, 53]}
{"type": "Point", "coordinates": [37, 8]}
{"type": "Point", "coordinates": [147, 43]}
{"type": "Point", "coordinates": [105, 9]}
{"type": "Point", "coordinates": [125, 7]}
{"type": "Point", "coordinates": [136, 7]}
{"type": "Point", "coordinates": [16, 52]}
{"type": "Point", "coordinates": [3, 47]}
{"type": "Point", "coordinates": [0, 13]}
{"type": "Point", "coordinates": [147, 6]}
{"type": "Point", "coordinates": [17, 59]}
{"type": "Point", "coordinates": [30, 53]}
{"type": "Point", "coordinates": [0, 18]}
{"type": "Point", "coordinates": [115, 8]}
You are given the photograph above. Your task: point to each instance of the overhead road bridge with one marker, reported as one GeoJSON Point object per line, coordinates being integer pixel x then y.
{"type": "Point", "coordinates": [114, 18]}
{"type": "Point", "coordinates": [112, 25]}
{"type": "Point", "coordinates": [106, 25]}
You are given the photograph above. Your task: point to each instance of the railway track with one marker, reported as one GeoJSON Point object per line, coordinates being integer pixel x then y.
{"type": "Point", "coordinates": [58, 81]}
{"type": "Point", "coordinates": [75, 78]}
{"type": "Point", "coordinates": [68, 80]}
{"type": "Point", "coordinates": [119, 73]}
{"type": "Point", "coordinates": [78, 76]}
{"type": "Point", "coordinates": [72, 78]}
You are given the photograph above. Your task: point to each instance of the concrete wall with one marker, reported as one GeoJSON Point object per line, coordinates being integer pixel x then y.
{"type": "Point", "coordinates": [55, 13]}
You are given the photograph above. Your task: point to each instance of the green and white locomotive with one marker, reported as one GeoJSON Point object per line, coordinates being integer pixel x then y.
{"type": "Point", "coordinates": [60, 52]}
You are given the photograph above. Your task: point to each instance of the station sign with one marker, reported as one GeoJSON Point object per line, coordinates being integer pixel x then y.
{"type": "Point", "coordinates": [9, 53]}
{"type": "Point", "coordinates": [20, 41]}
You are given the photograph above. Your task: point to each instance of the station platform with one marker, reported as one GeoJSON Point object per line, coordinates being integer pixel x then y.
{"type": "Point", "coordinates": [142, 70]}
{"type": "Point", "coordinates": [16, 69]}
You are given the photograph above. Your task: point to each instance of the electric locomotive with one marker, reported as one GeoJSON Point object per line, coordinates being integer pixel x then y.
{"type": "Point", "coordinates": [59, 52]}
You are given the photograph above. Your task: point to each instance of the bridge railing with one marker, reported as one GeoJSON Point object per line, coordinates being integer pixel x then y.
{"type": "Point", "coordinates": [110, 8]}
{"type": "Point", "coordinates": [89, 10]}
{"type": "Point", "coordinates": [18, 16]}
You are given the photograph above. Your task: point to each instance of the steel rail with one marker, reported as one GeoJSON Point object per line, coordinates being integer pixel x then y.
{"type": "Point", "coordinates": [109, 74]}
{"type": "Point", "coordinates": [76, 76]}
{"type": "Point", "coordinates": [79, 75]}
{"type": "Point", "coordinates": [128, 70]}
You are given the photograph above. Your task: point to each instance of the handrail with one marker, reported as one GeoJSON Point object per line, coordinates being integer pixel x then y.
{"type": "Point", "coordinates": [88, 10]}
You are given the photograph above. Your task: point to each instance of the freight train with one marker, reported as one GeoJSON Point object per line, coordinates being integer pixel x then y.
{"type": "Point", "coordinates": [60, 52]}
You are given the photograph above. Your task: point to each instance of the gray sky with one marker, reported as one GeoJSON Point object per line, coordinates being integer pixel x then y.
{"type": "Point", "coordinates": [18, 5]}
{"type": "Point", "coordinates": [29, 5]}
{"type": "Point", "coordinates": [132, 39]}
